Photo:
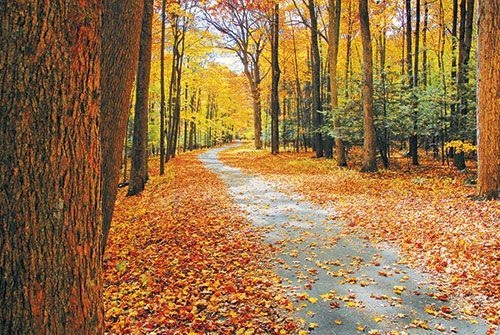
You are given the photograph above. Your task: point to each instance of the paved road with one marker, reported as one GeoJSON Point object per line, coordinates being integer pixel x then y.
{"type": "Point", "coordinates": [359, 288]}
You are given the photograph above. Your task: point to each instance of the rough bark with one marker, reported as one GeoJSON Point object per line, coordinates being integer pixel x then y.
{"type": "Point", "coordinates": [162, 87]}
{"type": "Point", "coordinates": [464, 48]}
{"type": "Point", "coordinates": [488, 99]}
{"type": "Point", "coordinates": [316, 84]}
{"type": "Point", "coordinates": [425, 64]}
{"type": "Point", "coordinates": [409, 67]}
{"type": "Point", "coordinates": [139, 167]}
{"type": "Point", "coordinates": [257, 107]}
{"type": "Point", "coordinates": [50, 203]}
{"type": "Point", "coordinates": [414, 135]}
{"type": "Point", "coordinates": [120, 52]}
{"type": "Point", "coordinates": [334, 12]}
{"type": "Point", "coordinates": [369, 145]}
{"type": "Point", "coordinates": [275, 103]}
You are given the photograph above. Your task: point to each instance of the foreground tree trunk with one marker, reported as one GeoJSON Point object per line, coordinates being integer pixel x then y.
{"type": "Point", "coordinates": [120, 51]}
{"type": "Point", "coordinates": [275, 102]}
{"type": "Point", "coordinates": [139, 168]}
{"type": "Point", "coordinates": [369, 146]}
{"type": "Point", "coordinates": [50, 203]}
{"type": "Point", "coordinates": [488, 99]}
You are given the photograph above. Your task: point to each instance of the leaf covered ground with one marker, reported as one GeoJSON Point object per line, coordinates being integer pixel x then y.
{"type": "Point", "coordinates": [180, 260]}
{"type": "Point", "coordinates": [425, 212]}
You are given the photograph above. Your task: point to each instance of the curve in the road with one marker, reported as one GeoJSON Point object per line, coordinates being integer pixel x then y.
{"type": "Point", "coordinates": [359, 288]}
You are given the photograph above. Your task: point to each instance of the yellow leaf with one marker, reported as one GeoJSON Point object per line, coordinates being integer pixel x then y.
{"type": "Point", "coordinates": [312, 300]}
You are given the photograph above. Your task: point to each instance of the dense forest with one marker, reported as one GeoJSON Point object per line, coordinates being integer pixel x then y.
{"type": "Point", "coordinates": [97, 94]}
{"type": "Point", "coordinates": [298, 73]}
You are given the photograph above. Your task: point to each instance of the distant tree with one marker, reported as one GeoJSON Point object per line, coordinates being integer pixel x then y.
{"type": "Point", "coordinates": [162, 86]}
{"type": "Point", "coordinates": [241, 24]}
{"type": "Point", "coordinates": [334, 13]}
{"type": "Point", "coordinates": [50, 167]}
{"type": "Point", "coordinates": [464, 48]}
{"type": "Point", "coordinates": [369, 148]}
{"type": "Point", "coordinates": [488, 99]}
{"type": "Point", "coordinates": [275, 102]}
{"type": "Point", "coordinates": [316, 80]}
{"type": "Point", "coordinates": [139, 168]}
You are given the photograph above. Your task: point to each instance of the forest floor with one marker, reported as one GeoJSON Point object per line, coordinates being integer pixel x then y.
{"type": "Point", "coordinates": [426, 213]}
{"type": "Point", "coordinates": [242, 242]}
{"type": "Point", "coordinates": [182, 260]}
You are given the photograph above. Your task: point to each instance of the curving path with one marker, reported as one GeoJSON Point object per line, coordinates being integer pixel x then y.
{"type": "Point", "coordinates": [359, 288]}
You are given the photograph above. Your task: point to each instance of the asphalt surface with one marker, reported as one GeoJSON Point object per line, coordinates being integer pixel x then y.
{"type": "Point", "coordinates": [340, 284]}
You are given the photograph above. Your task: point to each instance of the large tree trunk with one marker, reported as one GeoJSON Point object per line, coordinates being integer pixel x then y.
{"type": "Point", "coordinates": [275, 102]}
{"type": "Point", "coordinates": [488, 99]}
{"type": "Point", "coordinates": [316, 73]}
{"type": "Point", "coordinates": [50, 203]}
{"type": "Point", "coordinates": [369, 147]}
{"type": "Point", "coordinates": [139, 168]}
{"type": "Point", "coordinates": [120, 53]}
{"type": "Point", "coordinates": [334, 12]}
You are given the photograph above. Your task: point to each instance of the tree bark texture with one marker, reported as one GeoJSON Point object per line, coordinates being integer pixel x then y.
{"type": "Point", "coordinates": [275, 102]}
{"type": "Point", "coordinates": [334, 13]}
{"type": "Point", "coordinates": [488, 99]}
{"type": "Point", "coordinates": [139, 168]}
{"type": "Point", "coordinates": [316, 81]}
{"type": "Point", "coordinates": [50, 203]}
{"type": "Point", "coordinates": [369, 145]}
{"type": "Point", "coordinates": [120, 50]}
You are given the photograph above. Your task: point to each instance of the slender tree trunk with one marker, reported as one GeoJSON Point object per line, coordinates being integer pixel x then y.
{"type": "Point", "coordinates": [316, 98]}
{"type": "Point", "coordinates": [139, 167]}
{"type": "Point", "coordinates": [257, 114]}
{"type": "Point", "coordinates": [454, 38]}
{"type": "Point", "coordinates": [425, 65]}
{"type": "Point", "coordinates": [348, 50]}
{"type": "Point", "coordinates": [172, 95]}
{"type": "Point", "coordinates": [414, 135]}
{"type": "Point", "coordinates": [416, 73]}
{"type": "Point", "coordinates": [464, 47]}
{"type": "Point", "coordinates": [298, 91]}
{"type": "Point", "coordinates": [384, 144]}
{"type": "Point", "coordinates": [120, 53]}
{"type": "Point", "coordinates": [286, 107]}
{"type": "Point", "coordinates": [275, 102]}
{"type": "Point", "coordinates": [334, 13]}
{"type": "Point", "coordinates": [409, 54]}
{"type": "Point", "coordinates": [162, 87]}
{"type": "Point", "coordinates": [50, 167]}
{"type": "Point", "coordinates": [125, 154]}
{"type": "Point", "coordinates": [369, 147]}
{"type": "Point", "coordinates": [488, 99]}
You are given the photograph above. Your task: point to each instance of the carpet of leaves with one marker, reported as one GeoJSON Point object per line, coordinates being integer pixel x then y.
{"type": "Point", "coordinates": [426, 212]}
{"type": "Point", "coordinates": [181, 261]}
